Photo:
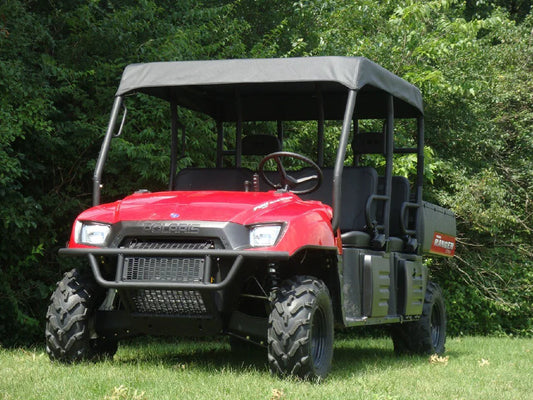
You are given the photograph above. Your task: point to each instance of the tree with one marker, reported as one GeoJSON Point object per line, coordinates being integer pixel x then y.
{"type": "Point", "coordinates": [60, 63]}
{"type": "Point", "coordinates": [473, 72]}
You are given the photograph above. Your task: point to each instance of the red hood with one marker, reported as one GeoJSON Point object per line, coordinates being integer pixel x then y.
{"type": "Point", "coordinates": [308, 223]}
{"type": "Point", "coordinates": [238, 207]}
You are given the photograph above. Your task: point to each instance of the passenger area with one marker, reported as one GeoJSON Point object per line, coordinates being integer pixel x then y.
{"type": "Point", "coordinates": [362, 206]}
{"type": "Point", "coordinates": [400, 195]}
{"type": "Point", "coordinates": [230, 179]}
{"type": "Point", "coordinates": [357, 215]}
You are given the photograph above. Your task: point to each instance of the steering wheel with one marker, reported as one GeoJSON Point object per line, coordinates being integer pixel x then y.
{"type": "Point", "coordinates": [288, 182]}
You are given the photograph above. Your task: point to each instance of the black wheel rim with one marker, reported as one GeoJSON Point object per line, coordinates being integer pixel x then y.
{"type": "Point", "coordinates": [436, 325]}
{"type": "Point", "coordinates": [318, 337]}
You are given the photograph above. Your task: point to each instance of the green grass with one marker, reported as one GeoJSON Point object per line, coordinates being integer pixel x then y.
{"type": "Point", "coordinates": [477, 368]}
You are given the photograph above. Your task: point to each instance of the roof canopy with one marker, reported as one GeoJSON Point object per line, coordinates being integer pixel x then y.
{"type": "Point", "coordinates": [274, 89]}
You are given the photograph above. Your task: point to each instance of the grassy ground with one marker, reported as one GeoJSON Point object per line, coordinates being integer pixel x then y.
{"type": "Point", "coordinates": [475, 368]}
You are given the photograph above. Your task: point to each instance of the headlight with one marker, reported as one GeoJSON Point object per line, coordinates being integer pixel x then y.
{"type": "Point", "coordinates": [91, 233]}
{"type": "Point", "coordinates": [264, 235]}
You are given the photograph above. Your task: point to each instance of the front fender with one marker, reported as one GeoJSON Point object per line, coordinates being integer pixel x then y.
{"type": "Point", "coordinates": [310, 229]}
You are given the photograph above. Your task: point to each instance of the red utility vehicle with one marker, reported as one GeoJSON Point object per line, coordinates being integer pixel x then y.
{"type": "Point", "coordinates": [275, 256]}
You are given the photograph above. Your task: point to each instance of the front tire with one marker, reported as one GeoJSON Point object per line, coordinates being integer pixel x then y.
{"type": "Point", "coordinates": [300, 329]}
{"type": "Point", "coordinates": [69, 327]}
{"type": "Point", "coordinates": [428, 334]}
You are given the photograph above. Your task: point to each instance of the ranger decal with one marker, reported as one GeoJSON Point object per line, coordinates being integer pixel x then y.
{"type": "Point", "coordinates": [443, 245]}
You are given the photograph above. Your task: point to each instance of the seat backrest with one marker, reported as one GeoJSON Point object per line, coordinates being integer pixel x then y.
{"type": "Point", "coordinates": [231, 179]}
{"type": "Point", "coordinates": [325, 191]}
{"type": "Point", "coordinates": [358, 184]}
{"type": "Point", "coordinates": [274, 177]}
{"type": "Point", "coordinates": [260, 145]}
{"type": "Point", "coordinates": [399, 195]}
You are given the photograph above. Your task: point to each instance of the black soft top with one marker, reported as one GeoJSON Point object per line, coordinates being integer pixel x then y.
{"type": "Point", "coordinates": [275, 89]}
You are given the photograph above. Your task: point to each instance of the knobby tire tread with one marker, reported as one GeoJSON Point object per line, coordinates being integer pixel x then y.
{"type": "Point", "coordinates": [290, 326]}
{"type": "Point", "coordinates": [67, 332]}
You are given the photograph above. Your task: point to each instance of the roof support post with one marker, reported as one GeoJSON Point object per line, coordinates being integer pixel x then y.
{"type": "Point", "coordinates": [420, 159]}
{"type": "Point", "coordinates": [280, 133]}
{"type": "Point", "coordinates": [321, 118]}
{"type": "Point", "coordinates": [356, 157]}
{"type": "Point", "coordinates": [173, 144]}
{"type": "Point", "coordinates": [238, 134]}
{"type": "Point", "coordinates": [102, 156]}
{"type": "Point", "coordinates": [341, 155]}
{"type": "Point", "coordinates": [389, 149]}
{"type": "Point", "coordinates": [220, 143]}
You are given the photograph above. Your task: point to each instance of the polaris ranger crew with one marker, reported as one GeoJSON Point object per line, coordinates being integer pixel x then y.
{"type": "Point", "coordinates": [278, 254]}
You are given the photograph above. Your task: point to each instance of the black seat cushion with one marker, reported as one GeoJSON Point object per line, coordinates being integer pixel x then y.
{"type": "Point", "coordinates": [355, 239]}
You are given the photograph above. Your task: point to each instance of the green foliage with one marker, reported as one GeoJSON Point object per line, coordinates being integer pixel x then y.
{"type": "Point", "coordinates": [472, 70]}
{"type": "Point", "coordinates": [486, 294]}
{"type": "Point", "coordinates": [60, 63]}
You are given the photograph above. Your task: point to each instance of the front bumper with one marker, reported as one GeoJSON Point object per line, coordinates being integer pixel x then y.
{"type": "Point", "coordinates": [185, 305]}
{"type": "Point", "coordinates": [238, 256]}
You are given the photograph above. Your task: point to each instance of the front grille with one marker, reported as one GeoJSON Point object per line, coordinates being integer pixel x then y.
{"type": "Point", "coordinates": [163, 269]}
{"type": "Point", "coordinates": [167, 269]}
{"type": "Point", "coordinates": [185, 303]}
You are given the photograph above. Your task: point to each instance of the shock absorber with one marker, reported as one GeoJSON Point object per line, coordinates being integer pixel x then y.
{"type": "Point", "coordinates": [274, 276]}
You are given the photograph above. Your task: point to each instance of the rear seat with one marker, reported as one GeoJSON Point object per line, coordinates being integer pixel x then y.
{"type": "Point", "coordinates": [400, 194]}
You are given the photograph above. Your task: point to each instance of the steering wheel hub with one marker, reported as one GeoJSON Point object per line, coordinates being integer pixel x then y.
{"type": "Point", "coordinates": [287, 181]}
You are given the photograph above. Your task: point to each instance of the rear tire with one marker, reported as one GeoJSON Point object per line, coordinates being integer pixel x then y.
{"type": "Point", "coordinates": [69, 332]}
{"type": "Point", "coordinates": [300, 329]}
{"type": "Point", "coordinates": [428, 334]}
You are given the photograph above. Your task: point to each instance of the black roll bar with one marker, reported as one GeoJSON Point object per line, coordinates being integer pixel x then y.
{"type": "Point", "coordinates": [220, 143]}
{"type": "Point", "coordinates": [389, 148]}
{"type": "Point", "coordinates": [238, 130]}
{"type": "Point", "coordinates": [420, 159]}
{"type": "Point", "coordinates": [102, 156]}
{"type": "Point", "coordinates": [321, 119]}
{"type": "Point", "coordinates": [173, 145]}
{"type": "Point", "coordinates": [339, 161]}
{"type": "Point", "coordinates": [280, 131]}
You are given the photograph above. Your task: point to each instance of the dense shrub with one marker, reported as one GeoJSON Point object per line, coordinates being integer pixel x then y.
{"type": "Point", "coordinates": [60, 63]}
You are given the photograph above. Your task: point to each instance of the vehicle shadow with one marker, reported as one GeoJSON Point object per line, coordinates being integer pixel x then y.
{"type": "Point", "coordinates": [349, 360]}
{"type": "Point", "coordinates": [209, 355]}
{"type": "Point", "coordinates": [201, 354]}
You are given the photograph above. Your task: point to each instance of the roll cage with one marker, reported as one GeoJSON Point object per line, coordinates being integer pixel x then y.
{"type": "Point", "coordinates": [316, 88]}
